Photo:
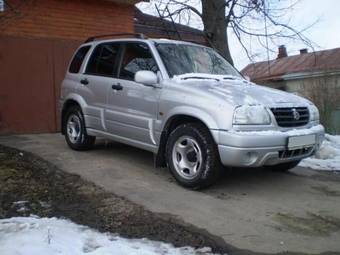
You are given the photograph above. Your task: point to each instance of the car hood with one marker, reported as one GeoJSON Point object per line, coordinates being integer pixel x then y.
{"type": "Point", "coordinates": [241, 92]}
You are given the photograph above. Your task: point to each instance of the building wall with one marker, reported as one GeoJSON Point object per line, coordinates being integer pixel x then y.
{"type": "Point", "coordinates": [37, 42]}
{"type": "Point", "coordinates": [325, 93]}
{"type": "Point", "coordinates": [65, 19]}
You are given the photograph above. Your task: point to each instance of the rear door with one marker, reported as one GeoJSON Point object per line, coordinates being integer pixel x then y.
{"type": "Point", "coordinates": [132, 109]}
{"type": "Point", "coordinates": [96, 82]}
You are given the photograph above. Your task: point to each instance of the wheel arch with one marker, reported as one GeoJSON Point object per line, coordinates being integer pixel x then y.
{"type": "Point", "coordinates": [170, 124]}
{"type": "Point", "coordinates": [69, 102]}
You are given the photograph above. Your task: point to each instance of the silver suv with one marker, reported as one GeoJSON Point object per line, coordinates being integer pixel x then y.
{"type": "Point", "coordinates": [187, 105]}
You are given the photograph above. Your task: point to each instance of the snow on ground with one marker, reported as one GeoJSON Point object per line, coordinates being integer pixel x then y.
{"type": "Point", "coordinates": [328, 157]}
{"type": "Point", "coordinates": [41, 236]}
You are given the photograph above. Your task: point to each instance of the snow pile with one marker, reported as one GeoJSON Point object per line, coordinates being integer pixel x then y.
{"type": "Point", "coordinates": [328, 157]}
{"type": "Point", "coordinates": [41, 236]}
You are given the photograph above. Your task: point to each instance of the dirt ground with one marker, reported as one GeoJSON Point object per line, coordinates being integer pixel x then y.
{"type": "Point", "coordinates": [31, 185]}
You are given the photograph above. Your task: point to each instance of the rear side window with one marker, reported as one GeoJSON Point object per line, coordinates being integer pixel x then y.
{"type": "Point", "coordinates": [78, 59]}
{"type": "Point", "coordinates": [103, 60]}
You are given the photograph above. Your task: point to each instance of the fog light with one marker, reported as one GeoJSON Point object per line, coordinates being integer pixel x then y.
{"type": "Point", "coordinates": [250, 158]}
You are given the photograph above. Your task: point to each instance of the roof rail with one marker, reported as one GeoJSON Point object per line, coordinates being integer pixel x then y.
{"type": "Point", "coordinates": [140, 36]}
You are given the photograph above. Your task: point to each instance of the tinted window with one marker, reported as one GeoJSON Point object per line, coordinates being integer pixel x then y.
{"type": "Point", "coordinates": [78, 59]}
{"type": "Point", "coordinates": [137, 57]}
{"type": "Point", "coordinates": [103, 59]}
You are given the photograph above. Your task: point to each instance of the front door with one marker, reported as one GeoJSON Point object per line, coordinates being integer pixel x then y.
{"type": "Point", "coordinates": [132, 107]}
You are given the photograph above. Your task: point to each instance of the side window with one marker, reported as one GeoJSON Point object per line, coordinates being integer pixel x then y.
{"type": "Point", "coordinates": [78, 59]}
{"type": "Point", "coordinates": [103, 60]}
{"type": "Point", "coordinates": [137, 57]}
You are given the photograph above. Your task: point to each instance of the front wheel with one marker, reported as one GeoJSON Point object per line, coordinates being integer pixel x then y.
{"type": "Point", "coordinates": [192, 156]}
{"type": "Point", "coordinates": [75, 130]}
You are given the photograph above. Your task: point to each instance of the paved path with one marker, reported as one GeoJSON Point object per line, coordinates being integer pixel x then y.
{"type": "Point", "coordinates": [252, 209]}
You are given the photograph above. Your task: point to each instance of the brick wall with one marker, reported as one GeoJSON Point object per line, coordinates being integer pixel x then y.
{"type": "Point", "coordinates": [66, 19]}
{"type": "Point", "coordinates": [37, 41]}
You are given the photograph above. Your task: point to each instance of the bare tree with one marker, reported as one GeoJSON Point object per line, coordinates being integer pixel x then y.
{"type": "Point", "coordinates": [266, 20]}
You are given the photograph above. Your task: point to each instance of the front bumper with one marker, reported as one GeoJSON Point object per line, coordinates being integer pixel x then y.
{"type": "Point", "coordinates": [260, 148]}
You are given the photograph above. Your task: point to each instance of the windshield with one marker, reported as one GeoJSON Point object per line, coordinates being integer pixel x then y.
{"type": "Point", "coordinates": [183, 59]}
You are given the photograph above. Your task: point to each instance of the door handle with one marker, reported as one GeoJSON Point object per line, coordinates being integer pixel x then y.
{"type": "Point", "coordinates": [117, 87]}
{"type": "Point", "coordinates": [84, 81]}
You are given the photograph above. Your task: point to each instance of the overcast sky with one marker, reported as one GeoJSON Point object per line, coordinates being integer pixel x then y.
{"type": "Point", "coordinates": [325, 33]}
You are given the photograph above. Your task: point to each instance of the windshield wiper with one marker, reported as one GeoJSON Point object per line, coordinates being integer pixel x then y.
{"type": "Point", "coordinates": [200, 78]}
{"type": "Point", "coordinates": [230, 77]}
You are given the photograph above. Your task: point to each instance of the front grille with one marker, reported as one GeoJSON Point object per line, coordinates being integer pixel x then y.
{"type": "Point", "coordinates": [291, 117]}
{"type": "Point", "coordinates": [295, 153]}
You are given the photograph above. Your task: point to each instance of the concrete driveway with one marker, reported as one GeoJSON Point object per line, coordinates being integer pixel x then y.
{"type": "Point", "coordinates": [252, 209]}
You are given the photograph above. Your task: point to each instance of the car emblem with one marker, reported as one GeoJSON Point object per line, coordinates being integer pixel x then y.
{"type": "Point", "coordinates": [296, 114]}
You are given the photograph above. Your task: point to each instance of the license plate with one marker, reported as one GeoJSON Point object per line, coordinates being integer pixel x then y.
{"type": "Point", "coordinates": [301, 141]}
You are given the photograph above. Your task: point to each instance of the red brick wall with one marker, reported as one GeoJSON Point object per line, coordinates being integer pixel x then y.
{"type": "Point", "coordinates": [36, 45]}
{"type": "Point", "coordinates": [67, 19]}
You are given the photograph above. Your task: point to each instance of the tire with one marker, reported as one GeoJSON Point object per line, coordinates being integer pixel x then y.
{"type": "Point", "coordinates": [192, 156]}
{"type": "Point", "coordinates": [75, 130]}
{"type": "Point", "coordinates": [284, 167]}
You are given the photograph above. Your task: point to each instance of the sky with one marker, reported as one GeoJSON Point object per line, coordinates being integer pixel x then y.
{"type": "Point", "coordinates": [325, 34]}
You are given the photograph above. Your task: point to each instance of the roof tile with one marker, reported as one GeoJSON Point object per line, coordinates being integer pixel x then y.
{"type": "Point", "coordinates": [325, 60]}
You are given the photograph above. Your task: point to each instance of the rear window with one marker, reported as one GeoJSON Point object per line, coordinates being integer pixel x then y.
{"type": "Point", "coordinates": [78, 59]}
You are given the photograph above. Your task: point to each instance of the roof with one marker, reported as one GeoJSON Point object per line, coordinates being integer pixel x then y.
{"type": "Point", "coordinates": [319, 61]}
{"type": "Point", "coordinates": [153, 26]}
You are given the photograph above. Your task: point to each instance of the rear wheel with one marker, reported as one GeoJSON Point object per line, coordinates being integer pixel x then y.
{"type": "Point", "coordinates": [192, 156]}
{"type": "Point", "coordinates": [284, 167]}
{"type": "Point", "coordinates": [75, 130]}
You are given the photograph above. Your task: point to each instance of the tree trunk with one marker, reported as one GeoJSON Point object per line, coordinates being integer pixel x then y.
{"type": "Point", "coordinates": [215, 26]}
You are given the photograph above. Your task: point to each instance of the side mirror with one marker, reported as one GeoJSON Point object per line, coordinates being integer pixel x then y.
{"type": "Point", "coordinates": [147, 78]}
{"type": "Point", "coordinates": [247, 78]}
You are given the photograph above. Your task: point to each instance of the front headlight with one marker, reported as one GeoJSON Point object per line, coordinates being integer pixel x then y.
{"type": "Point", "coordinates": [314, 113]}
{"type": "Point", "coordinates": [251, 115]}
